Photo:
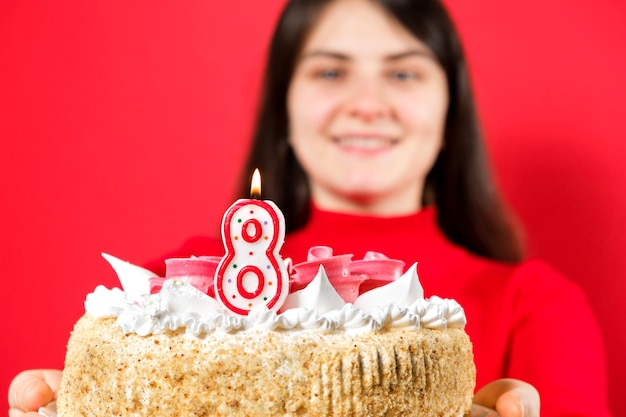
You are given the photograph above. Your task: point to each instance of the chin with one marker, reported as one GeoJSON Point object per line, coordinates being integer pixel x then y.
{"type": "Point", "coordinates": [365, 196]}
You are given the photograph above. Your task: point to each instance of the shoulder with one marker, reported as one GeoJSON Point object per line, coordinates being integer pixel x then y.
{"type": "Point", "coordinates": [540, 277]}
{"type": "Point", "coordinates": [520, 288]}
{"type": "Point", "coordinates": [532, 274]}
{"type": "Point", "coordinates": [536, 279]}
{"type": "Point", "coordinates": [536, 289]}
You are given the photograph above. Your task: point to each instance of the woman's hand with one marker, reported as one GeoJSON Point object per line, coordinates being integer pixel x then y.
{"type": "Point", "coordinates": [31, 390]}
{"type": "Point", "coordinates": [510, 398]}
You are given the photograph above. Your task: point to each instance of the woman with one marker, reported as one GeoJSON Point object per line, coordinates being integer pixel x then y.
{"type": "Point", "coordinates": [368, 140]}
{"type": "Point", "coordinates": [367, 124]}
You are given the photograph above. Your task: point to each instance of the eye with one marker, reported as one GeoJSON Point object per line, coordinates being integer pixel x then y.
{"type": "Point", "coordinates": [329, 74]}
{"type": "Point", "coordinates": [402, 75]}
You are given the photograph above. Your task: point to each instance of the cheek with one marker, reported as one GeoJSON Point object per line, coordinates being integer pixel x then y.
{"type": "Point", "coordinates": [424, 116]}
{"type": "Point", "coordinates": [311, 112]}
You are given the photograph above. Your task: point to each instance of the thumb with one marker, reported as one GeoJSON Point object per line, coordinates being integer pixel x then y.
{"type": "Point", "coordinates": [510, 398]}
{"type": "Point", "coordinates": [32, 389]}
{"type": "Point", "coordinates": [519, 402]}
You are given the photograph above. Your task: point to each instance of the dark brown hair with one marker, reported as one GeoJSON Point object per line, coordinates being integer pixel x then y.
{"type": "Point", "coordinates": [470, 210]}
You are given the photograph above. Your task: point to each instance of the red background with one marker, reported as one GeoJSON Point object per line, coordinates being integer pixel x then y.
{"type": "Point", "coordinates": [124, 125]}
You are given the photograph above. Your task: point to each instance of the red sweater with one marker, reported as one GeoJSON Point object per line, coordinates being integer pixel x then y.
{"type": "Point", "coordinates": [526, 321]}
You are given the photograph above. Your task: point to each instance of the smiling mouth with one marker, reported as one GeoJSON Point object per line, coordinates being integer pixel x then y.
{"type": "Point", "coordinates": [365, 143]}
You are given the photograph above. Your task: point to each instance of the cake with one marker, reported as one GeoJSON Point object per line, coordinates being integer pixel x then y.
{"type": "Point", "coordinates": [352, 338]}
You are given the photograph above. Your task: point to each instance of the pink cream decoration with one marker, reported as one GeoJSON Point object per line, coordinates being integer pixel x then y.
{"type": "Point", "coordinates": [377, 269]}
{"type": "Point", "coordinates": [335, 266]}
{"type": "Point", "coordinates": [349, 278]}
{"type": "Point", "coordinates": [248, 275]}
{"type": "Point", "coordinates": [197, 271]}
{"type": "Point", "coordinates": [156, 284]}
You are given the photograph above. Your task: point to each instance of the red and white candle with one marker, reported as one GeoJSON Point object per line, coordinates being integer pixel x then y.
{"type": "Point", "coordinates": [252, 273]}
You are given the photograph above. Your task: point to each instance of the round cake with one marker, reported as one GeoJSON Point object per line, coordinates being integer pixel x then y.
{"type": "Point", "coordinates": [178, 351]}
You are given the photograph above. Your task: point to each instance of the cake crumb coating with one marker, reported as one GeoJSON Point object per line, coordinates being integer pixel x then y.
{"type": "Point", "coordinates": [401, 372]}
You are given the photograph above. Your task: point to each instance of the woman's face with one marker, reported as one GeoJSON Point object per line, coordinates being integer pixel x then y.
{"type": "Point", "coordinates": [367, 107]}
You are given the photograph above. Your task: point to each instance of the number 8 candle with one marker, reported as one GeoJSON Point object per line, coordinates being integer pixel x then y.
{"type": "Point", "coordinates": [252, 273]}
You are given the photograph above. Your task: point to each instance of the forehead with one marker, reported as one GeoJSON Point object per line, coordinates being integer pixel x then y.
{"type": "Point", "coordinates": [360, 27]}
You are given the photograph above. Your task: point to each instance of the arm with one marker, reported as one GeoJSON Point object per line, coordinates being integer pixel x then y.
{"type": "Point", "coordinates": [556, 345]}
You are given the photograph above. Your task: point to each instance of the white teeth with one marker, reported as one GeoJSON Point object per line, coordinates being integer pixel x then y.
{"type": "Point", "coordinates": [363, 143]}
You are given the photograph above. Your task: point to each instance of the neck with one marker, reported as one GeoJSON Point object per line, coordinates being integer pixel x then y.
{"type": "Point", "coordinates": [368, 205]}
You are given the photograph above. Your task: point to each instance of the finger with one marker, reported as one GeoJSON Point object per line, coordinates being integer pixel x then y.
{"type": "Point", "coordinates": [522, 401]}
{"type": "Point", "coordinates": [34, 388]}
{"type": "Point", "coordinates": [510, 397]}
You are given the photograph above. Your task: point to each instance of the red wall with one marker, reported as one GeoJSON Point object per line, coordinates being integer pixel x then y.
{"type": "Point", "coordinates": [123, 127]}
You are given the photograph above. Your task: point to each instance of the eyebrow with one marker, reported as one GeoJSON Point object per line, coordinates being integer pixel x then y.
{"type": "Point", "coordinates": [392, 57]}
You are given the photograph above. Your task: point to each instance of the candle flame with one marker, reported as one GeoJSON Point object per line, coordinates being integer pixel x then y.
{"type": "Point", "coordinates": [255, 187]}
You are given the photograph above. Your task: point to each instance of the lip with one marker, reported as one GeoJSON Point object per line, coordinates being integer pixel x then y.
{"type": "Point", "coordinates": [365, 142]}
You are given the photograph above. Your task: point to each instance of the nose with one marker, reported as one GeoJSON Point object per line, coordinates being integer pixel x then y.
{"type": "Point", "coordinates": [367, 101]}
